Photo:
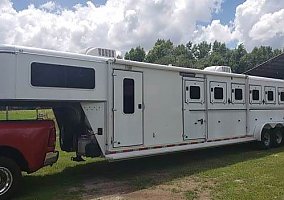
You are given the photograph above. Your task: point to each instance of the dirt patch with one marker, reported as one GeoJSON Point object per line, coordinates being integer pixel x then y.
{"type": "Point", "coordinates": [183, 188]}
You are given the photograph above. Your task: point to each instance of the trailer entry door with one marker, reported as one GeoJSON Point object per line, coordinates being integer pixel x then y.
{"type": "Point", "coordinates": [194, 110]}
{"type": "Point", "coordinates": [128, 108]}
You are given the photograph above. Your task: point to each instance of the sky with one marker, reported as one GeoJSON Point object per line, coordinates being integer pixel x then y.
{"type": "Point", "coordinates": [70, 25]}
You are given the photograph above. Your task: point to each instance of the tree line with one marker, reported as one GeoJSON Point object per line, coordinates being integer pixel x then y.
{"type": "Point", "coordinates": [202, 55]}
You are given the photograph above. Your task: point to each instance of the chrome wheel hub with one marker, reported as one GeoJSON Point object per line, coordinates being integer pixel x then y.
{"type": "Point", "coordinates": [279, 138]}
{"type": "Point", "coordinates": [266, 139]}
{"type": "Point", "coordinates": [6, 180]}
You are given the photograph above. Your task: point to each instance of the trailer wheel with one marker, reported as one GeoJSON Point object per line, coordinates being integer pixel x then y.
{"type": "Point", "coordinates": [277, 137]}
{"type": "Point", "coordinates": [266, 139]}
{"type": "Point", "coordinates": [10, 175]}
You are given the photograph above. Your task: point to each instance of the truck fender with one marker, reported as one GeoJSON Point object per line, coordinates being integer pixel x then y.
{"type": "Point", "coordinates": [16, 155]}
{"type": "Point", "coordinates": [266, 125]}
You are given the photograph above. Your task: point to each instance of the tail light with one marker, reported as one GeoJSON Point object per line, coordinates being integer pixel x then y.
{"type": "Point", "coordinates": [52, 138]}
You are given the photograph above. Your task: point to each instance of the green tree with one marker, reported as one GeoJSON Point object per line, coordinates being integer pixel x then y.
{"type": "Point", "coordinates": [161, 53]}
{"type": "Point", "coordinates": [201, 50]}
{"type": "Point", "coordinates": [219, 48]}
{"type": "Point", "coordinates": [203, 54]}
{"type": "Point", "coordinates": [237, 58]}
{"type": "Point", "coordinates": [183, 56]}
{"type": "Point", "coordinates": [137, 54]}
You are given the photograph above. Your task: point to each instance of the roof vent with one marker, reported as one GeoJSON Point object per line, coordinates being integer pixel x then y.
{"type": "Point", "coordinates": [109, 53]}
{"type": "Point", "coordinates": [226, 69]}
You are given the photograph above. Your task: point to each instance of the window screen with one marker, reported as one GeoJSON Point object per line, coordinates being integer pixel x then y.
{"type": "Point", "coordinates": [218, 93]}
{"type": "Point", "coordinates": [194, 92]}
{"type": "Point", "coordinates": [281, 96]}
{"type": "Point", "coordinates": [238, 94]}
{"type": "Point", "coordinates": [128, 96]}
{"type": "Point", "coordinates": [49, 75]}
{"type": "Point", "coordinates": [255, 95]}
{"type": "Point", "coordinates": [270, 96]}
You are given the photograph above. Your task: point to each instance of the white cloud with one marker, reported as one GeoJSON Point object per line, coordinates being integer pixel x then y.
{"type": "Point", "coordinates": [256, 23]}
{"type": "Point", "coordinates": [260, 22]}
{"type": "Point", "coordinates": [214, 31]}
{"type": "Point", "coordinates": [119, 24]}
{"type": "Point", "coordinates": [122, 24]}
{"type": "Point", "coordinates": [50, 5]}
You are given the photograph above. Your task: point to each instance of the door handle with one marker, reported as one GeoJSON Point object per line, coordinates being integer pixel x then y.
{"type": "Point", "coordinates": [201, 121]}
{"type": "Point", "coordinates": [140, 106]}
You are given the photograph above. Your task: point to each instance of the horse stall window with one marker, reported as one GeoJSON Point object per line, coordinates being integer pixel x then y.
{"type": "Point", "coordinates": [62, 76]}
{"type": "Point", "coordinates": [281, 95]}
{"type": "Point", "coordinates": [128, 96]}
{"type": "Point", "coordinates": [218, 93]}
{"type": "Point", "coordinates": [255, 94]}
{"type": "Point", "coordinates": [194, 92]}
{"type": "Point", "coordinates": [238, 94]}
{"type": "Point", "coordinates": [270, 94]}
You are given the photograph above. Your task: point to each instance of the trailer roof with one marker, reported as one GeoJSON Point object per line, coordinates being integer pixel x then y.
{"type": "Point", "coordinates": [273, 68]}
{"type": "Point", "coordinates": [76, 56]}
{"type": "Point", "coordinates": [38, 51]}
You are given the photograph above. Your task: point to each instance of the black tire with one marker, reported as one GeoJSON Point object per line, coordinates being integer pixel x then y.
{"type": "Point", "coordinates": [10, 175]}
{"type": "Point", "coordinates": [277, 137]}
{"type": "Point", "coordinates": [266, 139]}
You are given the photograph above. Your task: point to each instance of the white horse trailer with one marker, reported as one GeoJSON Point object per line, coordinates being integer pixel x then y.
{"type": "Point", "coordinates": [122, 109]}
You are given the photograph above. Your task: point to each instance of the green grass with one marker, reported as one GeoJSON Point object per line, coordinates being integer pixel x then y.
{"type": "Point", "coordinates": [18, 114]}
{"type": "Point", "coordinates": [26, 114]}
{"type": "Point", "coordinates": [191, 195]}
{"type": "Point", "coordinates": [238, 172]}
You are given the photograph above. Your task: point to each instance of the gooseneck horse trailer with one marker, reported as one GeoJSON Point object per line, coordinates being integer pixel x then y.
{"type": "Point", "coordinates": [122, 109]}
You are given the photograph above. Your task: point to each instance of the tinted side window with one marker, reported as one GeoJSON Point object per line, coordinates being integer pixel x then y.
{"type": "Point", "coordinates": [218, 93]}
{"type": "Point", "coordinates": [270, 96]}
{"type": "Point", "coordinates": [128, 96]}
{"type": "Point", "coordinates": [194, 92]}
{"type": "Point", "coordinates": [255, 95]}
{"type": "Point", "coordinates": [49, 75]}
{"type": "Point", "coordinates": [238, 94]}
{"type": "Point", "coordinates": [282, 96]}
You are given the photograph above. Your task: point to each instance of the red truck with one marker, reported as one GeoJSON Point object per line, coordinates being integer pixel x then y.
{"type": "Point", "coordinates": [24, 146]}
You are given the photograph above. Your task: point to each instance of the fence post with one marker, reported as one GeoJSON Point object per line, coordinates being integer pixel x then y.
{"type": "Point", "coordinates": [7, 112]}
{"type": "Point", "coordinates": [37, 117]}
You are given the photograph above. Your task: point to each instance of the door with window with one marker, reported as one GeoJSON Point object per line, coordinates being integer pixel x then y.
{"type": "Point", "coordinates": [194, 110]}
{"type": "Point", "coordinates": [128, 108]}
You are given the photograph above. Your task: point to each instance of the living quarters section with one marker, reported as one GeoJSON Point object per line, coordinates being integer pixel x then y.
{"type": "Point", "coordinates": [49, 75]}
{"type": "Point", "coordinates": [7, 75]}
{"type": "Point", "coordinates": [147, 108]}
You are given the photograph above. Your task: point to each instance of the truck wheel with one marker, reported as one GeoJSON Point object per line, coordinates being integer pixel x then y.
{"type": "Point", "coordinates": [10, 175]}
{"type": "Point", "coordinates": [277, 138]}
{"type": "Point", "coordinates": [266, 139]}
